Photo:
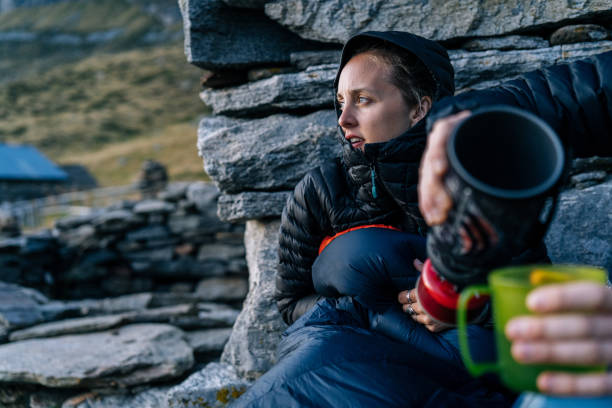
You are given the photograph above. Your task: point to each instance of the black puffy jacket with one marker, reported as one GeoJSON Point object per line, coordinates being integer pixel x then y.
{"type": "Point", "coordinates": [377, 186]}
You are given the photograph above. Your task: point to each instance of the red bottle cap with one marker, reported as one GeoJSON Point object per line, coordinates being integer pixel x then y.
{"type": "Point", "coordinates": [439, 297]}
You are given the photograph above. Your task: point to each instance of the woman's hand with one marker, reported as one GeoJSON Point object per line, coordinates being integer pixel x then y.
{"type": "Point", "coordinates": [581, 335]}
{"type": "Point", "coordinates": [410, 305]}
{"type": "Point", "coordinates": [434, 200]}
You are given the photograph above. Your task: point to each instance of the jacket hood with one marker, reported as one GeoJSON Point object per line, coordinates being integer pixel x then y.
{"type": "Point", "coordinates": [391, 168]}
{"type": "Point", "coordinates": [430, 53]}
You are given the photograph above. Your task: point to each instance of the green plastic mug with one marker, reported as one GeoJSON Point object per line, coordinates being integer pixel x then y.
{"type": "Point", "coordinates": [508, 288]}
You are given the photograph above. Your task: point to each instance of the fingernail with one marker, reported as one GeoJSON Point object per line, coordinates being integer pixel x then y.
{"type": "Point", "coordinates": [418, 262]}
{"type": "Point", "coordinates": [523, 352]}
{"type": "Point", "coordinates": [536, 301]}
{"type": "Point", "coordinates": [513, 329]}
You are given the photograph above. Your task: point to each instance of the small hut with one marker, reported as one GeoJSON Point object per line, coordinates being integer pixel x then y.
{"type": "Point", "coordinates": [25, 173]}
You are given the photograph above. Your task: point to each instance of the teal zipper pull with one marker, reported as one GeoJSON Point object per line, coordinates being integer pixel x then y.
{"type": "Point", "coordinates": [373, 174]}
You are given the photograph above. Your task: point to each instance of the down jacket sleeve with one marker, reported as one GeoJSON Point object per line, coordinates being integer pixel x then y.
{"type": "Point", "coordinates": [575, 99]}
{"type": "Point", "coordinates": [303, 226]}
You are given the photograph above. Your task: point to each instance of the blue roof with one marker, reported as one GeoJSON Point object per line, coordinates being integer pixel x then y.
{"type": "Point", "coordinates": [19, 162]}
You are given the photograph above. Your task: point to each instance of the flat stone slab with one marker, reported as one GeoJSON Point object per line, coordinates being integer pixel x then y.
{"type": "Point", "coordinates": [251, 205]}
{"type": "Point", "coordinates": [147, 398]}
{"type": "Point", "coordinates": [224, 289]}
{"type": "Point", "coordinates": [21, 307]}
{"type": "Point", "coordinates": [473, 68]}
{"type": "Point", "coordinates": [281, 93]}
{"type": "Point", "coordinates": [69, 326]}
{"type": "Point", "coordinates": [215, 386]}
{"type": "Point", "coordinates": [219, 37]}
{"type": "Point", "coordinates": [266, 154]}
{"type": "Point", "coordinates": [332, 21]}
{"type": "Point", "coordinates": [208, 341]}
{"type": "Point", "coordinates": [578, 233]}
{"type": "Point", "coordinates": [128, 356]}
{"type": "Point", "coordinates": [165, 314]}
{"type": "Point", "coordinates": [510, 42]}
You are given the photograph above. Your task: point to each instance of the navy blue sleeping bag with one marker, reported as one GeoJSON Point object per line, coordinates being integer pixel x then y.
{"type": "Point", "coordinates": [356, 348]}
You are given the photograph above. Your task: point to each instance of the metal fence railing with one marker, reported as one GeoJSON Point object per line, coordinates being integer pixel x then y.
{"type": "Point", "coordinates": [41, 212]}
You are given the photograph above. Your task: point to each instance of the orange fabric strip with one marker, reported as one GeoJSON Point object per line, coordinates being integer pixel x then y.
{"type": "Point", "coordinates": [327, 240]}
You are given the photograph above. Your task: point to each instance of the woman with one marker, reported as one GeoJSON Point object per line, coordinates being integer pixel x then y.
{"type": "Point", "coordinates": [355, 347]}
{"type": "Point", "coordinates": [386, 83]}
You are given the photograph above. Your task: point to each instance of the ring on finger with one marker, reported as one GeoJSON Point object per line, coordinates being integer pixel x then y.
{"type": "Point", "coordinates": [411, 311]}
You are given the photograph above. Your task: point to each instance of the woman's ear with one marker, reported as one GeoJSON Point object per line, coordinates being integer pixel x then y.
{"type": "Point", "coordinates": [421, 110]}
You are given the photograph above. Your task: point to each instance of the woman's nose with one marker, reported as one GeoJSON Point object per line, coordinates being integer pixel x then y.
{"type": "Point", "coordinates": [346, 119]}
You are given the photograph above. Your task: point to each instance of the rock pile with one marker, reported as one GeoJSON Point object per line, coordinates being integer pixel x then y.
{"type": "Point", "coordinates": [273, 121]}
{"type": "Point", "coordinates": [150, 290]}
{"type": "Point", "coordinates": [174, 242]}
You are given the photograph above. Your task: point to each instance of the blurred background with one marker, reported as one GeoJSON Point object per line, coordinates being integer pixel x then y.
{"type": "Point", "coordinates": [97, 87]}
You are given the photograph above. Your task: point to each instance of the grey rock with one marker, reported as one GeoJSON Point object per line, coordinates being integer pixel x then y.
{"type": "Point", "coordinates": [218, 37]}
{"type": "Point", "coordinates": [311, 89]}
{"type": "Point", "coordinates": [304, 59]}
{"type": "Point", "coordinates": [165, 314]}
{"type": "Point", "coordinates": [75, 221]}
{"type": "Point", "coordinates": [174, 191]}
{"type": "Point", "coordinates": [580, 232]}
{"type": "Point", "coordinates": [4, 334]}
{"type": "Point", "coordinates": [208, 315]}
{"type": "Point", "coordinates": [90, 266]}
{"type": "Point", "coordinates": [220, 252]}
{"type": "Point", "coordinates": [116, 221]}
{"type": "Point", "coordinates": [226, 289]}
{"type": "Point", "coordinates": [334, 21]}
{"type": "Point", "coordinates": [583, 180]}
{"type": "Point", "coordinates": [20, 307]}
{"type": "Point", "coordinates": [589, 164]}
{"type": "Point", "coordinates": [204, 196]}
{"type": "Point", "coordinates": [257, 74]}
{"type": "Point", "coordinates": [149, 233]}
{"type": "Point", "coordinates": [153, 255]}
{"type": "Point", "coordinates": [472, 68]}
{"type": "Point", "coordinates": [251, 205]}
{"type": "Point", "coordinates": [510, 42]}
{"type": "Point", "coordinates": [195, 224]}
{"type": "Point", "coordinates": [208, 341]}
{"type": "Point", "coordinates": [81, 236]}
{"type": "Point", "coordinates": [135, 398]}
{"type": "Point", "coordinates": [267, 154]}
{"type": "Point", "coordinates": [147, 207]}
{"type": "Point", "coordinates": [182, 268]}
{"type": "Point", "coordinates": [128, 356]}
{"type": "Point", "coordinates": [216, 385]}
{"type": "Point", "coordinates": [252, 345]}
{"type": "Point", "coordinates": [579, 33]}
{"type": "Point", "coordinates": [12, 245]}
{"type": "Point", "coordinates": [255, 4]}
{"type": "Point", "coordinates": [114, 305]}
{"type": "Point", "coordinates": [69, 326]}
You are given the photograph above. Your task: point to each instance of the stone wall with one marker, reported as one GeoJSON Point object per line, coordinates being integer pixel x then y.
{"type": "Point", "coordinates": [277, 122]}
{"type": "Point", "coordinates": [136, 297]}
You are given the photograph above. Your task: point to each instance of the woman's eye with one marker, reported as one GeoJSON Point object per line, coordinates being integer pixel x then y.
{"type": "Point", "coordinates": [362, 99]}
{"type": "Point", "coordinates": [341, 104]}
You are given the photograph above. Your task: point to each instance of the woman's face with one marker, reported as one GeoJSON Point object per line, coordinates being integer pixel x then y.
{"type": "Point", "coordinates": [373, 109]}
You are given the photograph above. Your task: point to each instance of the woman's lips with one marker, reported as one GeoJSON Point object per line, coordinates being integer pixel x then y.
{"type": "Point", "coordinates": [355, 141]}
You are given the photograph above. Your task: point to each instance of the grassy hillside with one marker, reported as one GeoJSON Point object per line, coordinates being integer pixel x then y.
{"type": "Point", "coordinates": [109, 111]}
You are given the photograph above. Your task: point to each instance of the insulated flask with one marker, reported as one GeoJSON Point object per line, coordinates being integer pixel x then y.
{"type": "Point", "coordinates": [505, 169]}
